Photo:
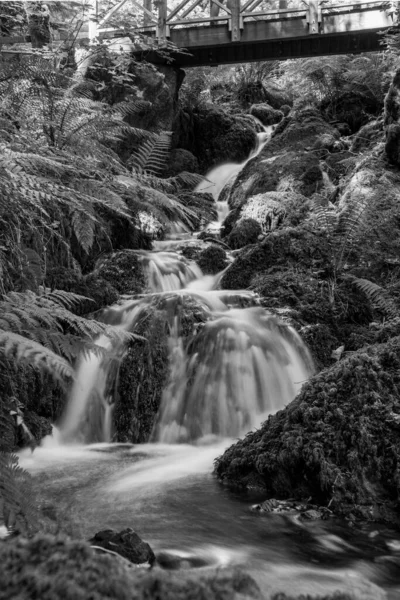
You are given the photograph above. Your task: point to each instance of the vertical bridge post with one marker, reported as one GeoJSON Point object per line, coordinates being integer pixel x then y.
{"type": "Point", "coordinates": [147, 5]}
{"type": "Point", "coordinates": [314, 16]}
{"type": "Point", "coordinates": [235, 21]}
{"type": "Point", "coordinates": [93, 14]}
{"type": "Point", "coordinates": [162, 27]}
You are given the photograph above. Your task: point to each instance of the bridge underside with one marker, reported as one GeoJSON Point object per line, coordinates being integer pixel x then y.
{"type": "Point", "coordinates": [353, 30]}
{"type": "Point", "coordinates": [354, 42]}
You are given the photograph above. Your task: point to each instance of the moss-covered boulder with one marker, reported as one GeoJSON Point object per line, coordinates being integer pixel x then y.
{"type": "Point", "coordinates": [126, 543]}
{"type": "Point", "coordinates": [123, 270]}
{"type": "Point", "coordinates": [266, 114]}
{"type": "Point", "coordinates": [368, 136]}
{"type": "Point", "coordinates": [337, 442]}
{"type": "Point", "coordinates": [288, 162]}
{"type": "Point", "coordinates": [57, 568]}
{"type": "Point", "coordinates": [273, 209]}
{"type": "Point", "coordinates": [145, 368]}
{"type": "Point", "coordinates": [281, 248]}
{"type": "Point", "coordinates": [244, 232]}
{"type": "Point", "coordinates": [181, 160]}
{"type": "Point", "coordinates": [99, 291]}
{"type": "Point", "coordinates": [212, 260]}
{"type": "Point", "coordinates": [219, 137]}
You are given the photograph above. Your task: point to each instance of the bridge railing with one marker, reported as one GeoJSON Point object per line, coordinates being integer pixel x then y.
{"type": "Point", "coordinates": [159, 19]}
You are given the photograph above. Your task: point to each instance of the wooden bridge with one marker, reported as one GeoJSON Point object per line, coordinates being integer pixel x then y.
{"type": "Point", "coordinates": [252, 30]}
{"type": "Point", "coordinates": [216, 32]}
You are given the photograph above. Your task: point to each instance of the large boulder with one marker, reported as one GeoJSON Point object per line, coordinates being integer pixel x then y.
{"type": "Point", "coordinates": [212, 260]}
{"type": "Point", "coordinates": [246, 231]}
{"type": "Point", "coordinates": [288, 162]}
{"type": "Point", "coordinates": [337, 442]}
{"type": "Point", "coordinates": [272, 209]}
{"type": "Point", "coordinates": [281, 248]}
{"type": "Point", "coordinates": [266, 114]}
{"type": "Point", "coordinates": [124, 271]}
{"type": "Point", "coordinates": [126, 543]}
{"type": "Point", "coordinates": [181, 160]}
{"type": "Point", "coordinates": [215, 137]}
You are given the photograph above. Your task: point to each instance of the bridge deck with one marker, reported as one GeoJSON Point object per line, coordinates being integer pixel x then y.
{"type": "Point", "coordinates": [249, 30]}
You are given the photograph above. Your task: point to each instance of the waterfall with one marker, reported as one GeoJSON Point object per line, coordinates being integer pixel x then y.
{"type": "Point", "coordinates": [241, 365]}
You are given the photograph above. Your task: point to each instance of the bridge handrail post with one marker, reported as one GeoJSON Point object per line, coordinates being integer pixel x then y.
{"type": "Point", "coordinates": [314, 16]}
{"type": "Point", "coordinates": [235, 21]}
{"type": "Point", "coordinates": [162, 27]}
{"type": "Point", "coordinates": [147, 5]}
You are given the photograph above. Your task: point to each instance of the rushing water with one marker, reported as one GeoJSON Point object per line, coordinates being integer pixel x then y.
{"type": "Point", "coordinates": [242, 365]}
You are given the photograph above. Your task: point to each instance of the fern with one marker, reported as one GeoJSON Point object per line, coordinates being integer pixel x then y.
{"type": "Point", "coordinates": [16, 496]}
{"type": "Point", "coordinates": [376, 295]}
{"type": "Point", "coordinates": [152, 156]}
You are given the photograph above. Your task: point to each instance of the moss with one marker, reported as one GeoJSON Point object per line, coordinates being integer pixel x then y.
{"type": "Point", "coordinates": [281, 248]}
{"type": "Point", "coordinates": [123, 271]}
{"type": "Point", "coordinates": [245, 232]}
{"type": "Point", "coordinates": [220, 138]}
{"type": "Point", "coordinates": [212, 260]}
{"type": "Point", "coordinates": [56, 568]}
{"type": "Point", "coordinates": [336, 442]}
{"type": "Point", "coordinates": [100, 291]}
{"type": "Point", "coordinates": [266, 114]}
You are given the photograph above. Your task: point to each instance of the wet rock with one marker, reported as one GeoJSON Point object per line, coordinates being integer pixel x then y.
{"type": "Point", "coordinates": [244, 232]}
{"type": "Point", "coordinates": [99, 291]}
{"type": "Point", "coordinates": [285, 109]}
{"type": "Point", "coordinates": [266, 114]}
{"type": "Point", "coordinates": [127, 543]}
{"type": "Point", "coordinates": [181, 160]}
{"type": "Point", "coordinates": [334, 443]}
{"type": "Point", "coordinates": [212, 260]}
{"type": "Point", "coordinates": [311, 515]}
{"type": "Point", "coordinates": [38, 426]}
{"type": "Point", "coordinates": [173, 561]}
{"type": "Point", "coordinates": [392, 120]}
{"type": "Point", "coordinates": [272, 209]}
{"type": "Point", "coordinates": [219, 137]}
{"type": "Point", "coordinates": [144, 371]}
{"type": "Point", "coordinates": [281, 248]}
{"type": "Point", "coordinates": [124, 271]}
{"type": "Point", "coordinates": [368, 136]}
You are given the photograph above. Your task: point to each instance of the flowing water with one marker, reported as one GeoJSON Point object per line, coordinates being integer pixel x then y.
{"type": "Point", "coordinates": [240, 366]}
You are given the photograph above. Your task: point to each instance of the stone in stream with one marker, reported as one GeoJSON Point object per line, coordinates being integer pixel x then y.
{"type": "Point", "coordinates": [127, 543]}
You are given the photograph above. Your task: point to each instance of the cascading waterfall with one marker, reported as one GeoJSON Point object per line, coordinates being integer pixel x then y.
{"type": "Point", "coordinates": [242, 365]}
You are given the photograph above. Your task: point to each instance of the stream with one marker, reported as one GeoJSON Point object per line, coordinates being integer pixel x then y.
{"type": "Point", "coordinates": [251, 366]}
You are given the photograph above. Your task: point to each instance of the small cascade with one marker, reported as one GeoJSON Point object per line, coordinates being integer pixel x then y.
{"type": "Point", "coordinates": [242, 366]}
{"type": "Point", "coordinates": [168, 271]}
{"type": "Point", "coordinates": [218, 177]}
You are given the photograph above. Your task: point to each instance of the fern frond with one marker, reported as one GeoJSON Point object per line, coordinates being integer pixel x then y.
{"type": "Point", "coordinates": [17, 503]}
{"type": "Point", "coordinates": [376, 295]}
{"type": "Point", "coordinates": [152, 155]}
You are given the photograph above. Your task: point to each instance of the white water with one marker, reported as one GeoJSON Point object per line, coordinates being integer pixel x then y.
{"type": "Point", "coordinates": [218, 177]}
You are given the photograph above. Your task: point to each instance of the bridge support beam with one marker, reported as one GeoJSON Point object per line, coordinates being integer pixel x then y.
{"type": "Point", "coordinates": [314, 16]}
{"type": "Point", "coordinates": [235, 21]}
{"type": "Point", "coordinates": [162, 27]}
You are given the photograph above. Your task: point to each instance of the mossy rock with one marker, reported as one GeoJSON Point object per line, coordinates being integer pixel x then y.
{"type": "Point", "coordinates": [181, 160]}
{"type": "Point", "coordinates": [144, 371]}
{"type": "Point", "coordinates": [368, 136]}
{"type": "Point", "coordinates": [336, 442]}
{"type": "Point", "coordinates": [123, 271]}
{"type": "Point", "coordinates": [274, 209]}
{"type": "Point", "coordinates": [266, 114]}
{"type": "Point", "coordinates": [244, 232]}
{"type": "Point", "coordinates": [212, 260]}
{"type": "Point", "coordinates": [280, 248]}
{"type": "Point", "coordinates": [220, 137]}
{"type": "Point", "coordinates": [57, 568]}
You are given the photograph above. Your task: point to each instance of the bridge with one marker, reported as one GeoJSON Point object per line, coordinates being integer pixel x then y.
{"type": "Point", "coordinates": [213, 32]}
